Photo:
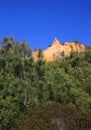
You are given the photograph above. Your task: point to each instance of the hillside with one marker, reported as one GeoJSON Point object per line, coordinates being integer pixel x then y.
{"type": "Point", "coordinates": [58, 50]}
{"type": "Point", "coordinates": [45, 95]}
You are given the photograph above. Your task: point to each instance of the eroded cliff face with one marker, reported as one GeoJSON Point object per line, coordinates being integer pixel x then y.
{"type": "Point", "coordinates": [57, 50]}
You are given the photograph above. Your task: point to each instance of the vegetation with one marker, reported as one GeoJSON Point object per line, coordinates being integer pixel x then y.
{"type": "Point", "coordinates": [43, 95]}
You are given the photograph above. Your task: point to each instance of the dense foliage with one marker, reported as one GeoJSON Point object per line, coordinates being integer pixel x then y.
{"type": "Point", "coordinates": [53, 116]}
{"type": "Point", "coordinates": [25, 86]}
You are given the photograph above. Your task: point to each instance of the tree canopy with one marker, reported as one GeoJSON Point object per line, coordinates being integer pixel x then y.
{"type": "Point", "coordinates": [25, 84]}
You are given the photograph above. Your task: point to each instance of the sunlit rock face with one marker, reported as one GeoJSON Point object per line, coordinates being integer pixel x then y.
{"type": "Point", "coordinates": [35, 55]}
{"type": "Point", "coordinates": [58, 50]}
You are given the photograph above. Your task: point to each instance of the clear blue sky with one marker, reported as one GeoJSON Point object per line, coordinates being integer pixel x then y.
{"type": "Point", "coordinates": [39, 21]}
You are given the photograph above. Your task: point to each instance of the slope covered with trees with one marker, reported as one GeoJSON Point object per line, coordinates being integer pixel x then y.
{"type": "Point", "coordinates": [38, 92]}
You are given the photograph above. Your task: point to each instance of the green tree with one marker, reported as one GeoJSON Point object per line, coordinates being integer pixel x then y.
{"type": "Point", "coordinates": [8, 107]}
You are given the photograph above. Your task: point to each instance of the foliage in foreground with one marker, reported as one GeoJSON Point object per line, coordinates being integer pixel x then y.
{"type": "Point", "coordinates": [25, 84]}
{"type": "Point", "coordinates": [53, 116]}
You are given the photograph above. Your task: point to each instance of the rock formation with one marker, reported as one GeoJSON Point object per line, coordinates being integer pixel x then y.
{"type": "Point", "coordinates": [58, 50]}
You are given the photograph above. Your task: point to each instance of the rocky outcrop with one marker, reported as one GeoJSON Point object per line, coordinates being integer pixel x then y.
{"type": "Point", "coordinates": [58, 50]}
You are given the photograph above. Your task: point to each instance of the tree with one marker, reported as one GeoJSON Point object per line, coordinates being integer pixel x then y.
{"type": "Point", "coordinates": [7, 45]}
{"type": "Point", "coordinates": [8, 107]}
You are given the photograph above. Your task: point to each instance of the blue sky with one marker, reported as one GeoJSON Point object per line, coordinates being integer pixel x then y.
{"type": "Point", "coordinates": [39, 21]}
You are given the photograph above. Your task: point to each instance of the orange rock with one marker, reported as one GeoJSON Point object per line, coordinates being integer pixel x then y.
{"type": "Point", "coordinates": [35, 55]}
{"type": "Point", "coordinates": [57, 50]}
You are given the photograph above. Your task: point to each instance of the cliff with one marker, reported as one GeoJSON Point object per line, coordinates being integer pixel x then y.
{"type": "Point", "coordinates": [58, 50]}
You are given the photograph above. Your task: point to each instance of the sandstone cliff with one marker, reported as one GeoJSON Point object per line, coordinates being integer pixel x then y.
{"type": "Point", "coordinates": [58, 50]}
